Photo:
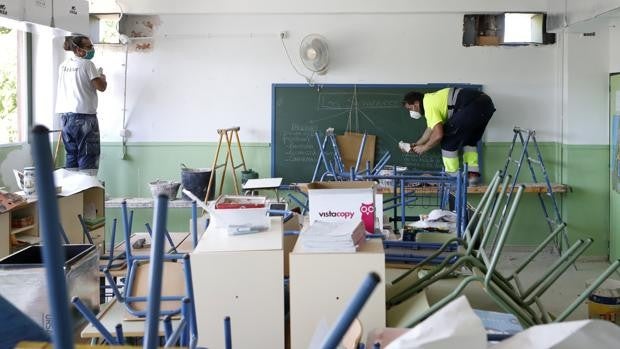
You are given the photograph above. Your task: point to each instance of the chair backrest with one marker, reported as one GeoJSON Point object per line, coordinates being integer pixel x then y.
{"type": "Point", "coordinates": [173, 284]}
{"type": "Point", "coordinates": [476, 221]}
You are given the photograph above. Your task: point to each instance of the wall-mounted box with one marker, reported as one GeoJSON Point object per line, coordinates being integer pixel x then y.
{"type": "Point", "coordinates": [11, 9]}
{"type": "Point", "coordinates": [38, 12]}
{"type": "Point", "coordinates": [71, 16]}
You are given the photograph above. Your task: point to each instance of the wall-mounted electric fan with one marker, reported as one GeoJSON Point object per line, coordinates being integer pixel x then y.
{"type": "Point", "coordinates": [314, 53]}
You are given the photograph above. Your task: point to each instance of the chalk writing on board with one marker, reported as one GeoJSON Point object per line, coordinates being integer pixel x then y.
{"type": "Point", "coordinates": [340, 100]}
{"type": "Point", "coordinates": [299, 144]}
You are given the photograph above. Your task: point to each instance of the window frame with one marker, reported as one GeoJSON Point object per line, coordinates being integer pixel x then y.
{"type": "Point", "coordinates": [24, 87]}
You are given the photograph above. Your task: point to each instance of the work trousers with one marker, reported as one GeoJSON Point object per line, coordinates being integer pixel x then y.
{"type": "Point", "coordinates": [80, 136]}
{"type": "Point", "coordinates": [463, 130]}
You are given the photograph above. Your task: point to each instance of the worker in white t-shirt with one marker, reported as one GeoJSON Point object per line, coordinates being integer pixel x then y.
{"type": "Point", "coordinates": [76, 103]}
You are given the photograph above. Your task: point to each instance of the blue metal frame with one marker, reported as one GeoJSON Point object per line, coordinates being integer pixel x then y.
{"type": "Point", "coordinates": [156, 267]}
{"type": "Point", "coordinates": [53, 257]}
{"type": "Point", "coordinates": [173, 248]}
{"type": "Point", "coordinates": [127, 300]}
{"type": "Point", "coordinates": [346, 318]}
{"type": "Point", "coordinates": [92, 318]}
{"type": "Point", "coordinates": [227, 333]}
{"type": "Point", "coordinates": [443, 180]}
{"type": "Point", "coordinates": [335, 170]}
{"type": "Point", "coordinates": [187, 331]}
{"type": "Point", "coordinates": [63, 234]}
{"type": "Point", "coordinates": [194, 224]}
{"type": "Point", "coordinates": [110, 257]}
{"type": "Point", "coordinates": [85, 231]}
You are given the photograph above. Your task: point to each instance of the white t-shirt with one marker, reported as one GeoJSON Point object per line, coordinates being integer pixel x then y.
{"type": "Point", "coordinates": [76, 93]}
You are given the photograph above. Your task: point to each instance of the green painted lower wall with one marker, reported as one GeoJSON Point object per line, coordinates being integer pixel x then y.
{"type": "Point", "coordinates": [585, 169]}
{"type": "Point", "coordinates": [146, 162]}
{"type": "Point", "coordinates": [587, 206]}
{"type": "Point", "coordinates": [614, 248]}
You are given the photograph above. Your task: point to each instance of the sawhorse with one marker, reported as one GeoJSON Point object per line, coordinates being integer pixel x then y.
{"type": "Point", "coordinates": [229, 133]}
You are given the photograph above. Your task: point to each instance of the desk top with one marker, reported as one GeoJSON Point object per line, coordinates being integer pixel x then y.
{"type": "Point", "coordinates": [177, 239]}
{"type": "Point", "coordinates": [114, 313]}
{"type": "Point", "coordinates": [370, 246]}
{"type": "Point", "coordinates": [217, 239]}
{"type": "Point", "coordinates": [182, 241]}
{"type": "Point", "coordinates": [145, 203]}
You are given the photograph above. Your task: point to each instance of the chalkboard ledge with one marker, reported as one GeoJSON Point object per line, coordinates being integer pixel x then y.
{"type": "Point", "coordinates": [478, 189]}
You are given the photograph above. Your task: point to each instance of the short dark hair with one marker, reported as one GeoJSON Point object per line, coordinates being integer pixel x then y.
{"type": "Point", "coordinates": [413, 97]}
{"type": "Point", "coordinates": [73, 41]}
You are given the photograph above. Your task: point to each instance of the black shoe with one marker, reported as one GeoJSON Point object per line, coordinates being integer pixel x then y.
{"type": "Point", "coordinates": [473, 178]}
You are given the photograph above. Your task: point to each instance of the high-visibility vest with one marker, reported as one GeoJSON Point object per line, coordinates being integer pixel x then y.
{"type": "Point", "coordinates": [452, 96]}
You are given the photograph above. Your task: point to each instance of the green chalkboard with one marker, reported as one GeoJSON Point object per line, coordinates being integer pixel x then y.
{"type": "Point", "coordinates": [299, 111]}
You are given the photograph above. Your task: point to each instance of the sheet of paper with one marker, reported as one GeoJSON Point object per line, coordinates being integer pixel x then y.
{"type": "Point", "coordinates": [72, 182]}
{"type": "Point", "coordinates": [566, 335]}
{"type": "Point", "coordinates": [454, 326]}
{"type": "Point", "coordinates": [262, 183]}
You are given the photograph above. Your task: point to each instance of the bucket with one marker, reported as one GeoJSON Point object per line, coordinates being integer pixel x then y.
{"type": "Point", "coordinates": [196, 180]}
{"type": "Point", "coordinates": [604, 302]}
{"type": "Point", "coordinates": [248, 174]}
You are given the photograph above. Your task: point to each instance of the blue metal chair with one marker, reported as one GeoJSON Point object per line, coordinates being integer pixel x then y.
{"type": "Point", "coordinates": [62, 336]}
{"type": "Point", "coordinates": [186, 334]}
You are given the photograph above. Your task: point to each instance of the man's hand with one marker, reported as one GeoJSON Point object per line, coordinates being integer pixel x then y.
{"type": "Point", "coordinates": [419, 149]}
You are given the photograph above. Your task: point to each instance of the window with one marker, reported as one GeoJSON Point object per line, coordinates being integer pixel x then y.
{"type": "Point", "coordinates": [523, 28]}
{"type": "Point", "coordinates": [508, 29]}
{"type": "Point", "coordinates": [13, 109]}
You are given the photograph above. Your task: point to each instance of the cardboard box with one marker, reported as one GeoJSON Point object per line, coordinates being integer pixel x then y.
{"type": "Point", "coordinates": [484, 40]}
{"type": "Point", "coordinates": [342, 201]}
{"type": "Point", "coordinates": [349, 146]}
{"type": "Point", "coordinates": [240, 216]}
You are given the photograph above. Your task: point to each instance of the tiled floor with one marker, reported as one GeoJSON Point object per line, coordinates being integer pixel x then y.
{"type": "Point", "coordinates": [557, 298]}
{"type": "Point", "coordinates": [567, 287]}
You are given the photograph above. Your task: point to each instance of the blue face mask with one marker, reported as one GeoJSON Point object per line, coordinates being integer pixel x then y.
{"type": "Point", "coordinates": [90, 54]}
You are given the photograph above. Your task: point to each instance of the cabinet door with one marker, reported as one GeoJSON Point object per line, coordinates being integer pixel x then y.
{"type": "Point", "coordinates": [5, 227]}
{"type": "Point", "coordinates": [69, 207]}
{"type": "Point", "coordinates": [614, 141]}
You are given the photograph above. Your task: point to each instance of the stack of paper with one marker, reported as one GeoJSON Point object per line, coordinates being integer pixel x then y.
{"type": "Point", "coordinates": [332, 236]}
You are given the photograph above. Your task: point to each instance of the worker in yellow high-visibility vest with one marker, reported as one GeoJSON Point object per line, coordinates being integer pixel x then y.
{"type": "Point", "coordinates": [456, 118]}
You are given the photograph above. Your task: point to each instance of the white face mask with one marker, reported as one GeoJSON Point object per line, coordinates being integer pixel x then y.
{"type": "Point", "coordinates": [414, 114]}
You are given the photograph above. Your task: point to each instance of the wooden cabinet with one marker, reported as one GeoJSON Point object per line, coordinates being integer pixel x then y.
{"type": "Point", "coordinates": [241, 277]}
{"type": "Point", "coordinates": [322, 284]}
{"type": "Point", "coordinates": [20, 226]}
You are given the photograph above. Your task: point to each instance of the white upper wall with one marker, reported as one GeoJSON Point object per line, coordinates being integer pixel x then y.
{"type": "Point", "coordinates": [614, 47]}
{"type": "Point", "coordinates": [314, 7]}
{"type": "Point", "coordinates": [205, 71]}
{"type": "Point", "coordinates": [570, 12]}
{"type": "Point", "coordinates": [586, 81]}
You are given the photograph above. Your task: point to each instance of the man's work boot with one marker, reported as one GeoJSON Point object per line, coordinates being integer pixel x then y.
{"type": "Point", "coordinates": [473, 178]}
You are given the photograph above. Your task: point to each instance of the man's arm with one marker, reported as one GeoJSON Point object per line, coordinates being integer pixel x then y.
{"type": "Point", "coordinates": [100, 83]}
{"type": "Point", "coordinates": [434, 138]}
{"type": "Point", "coordinates": [425, 137]}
